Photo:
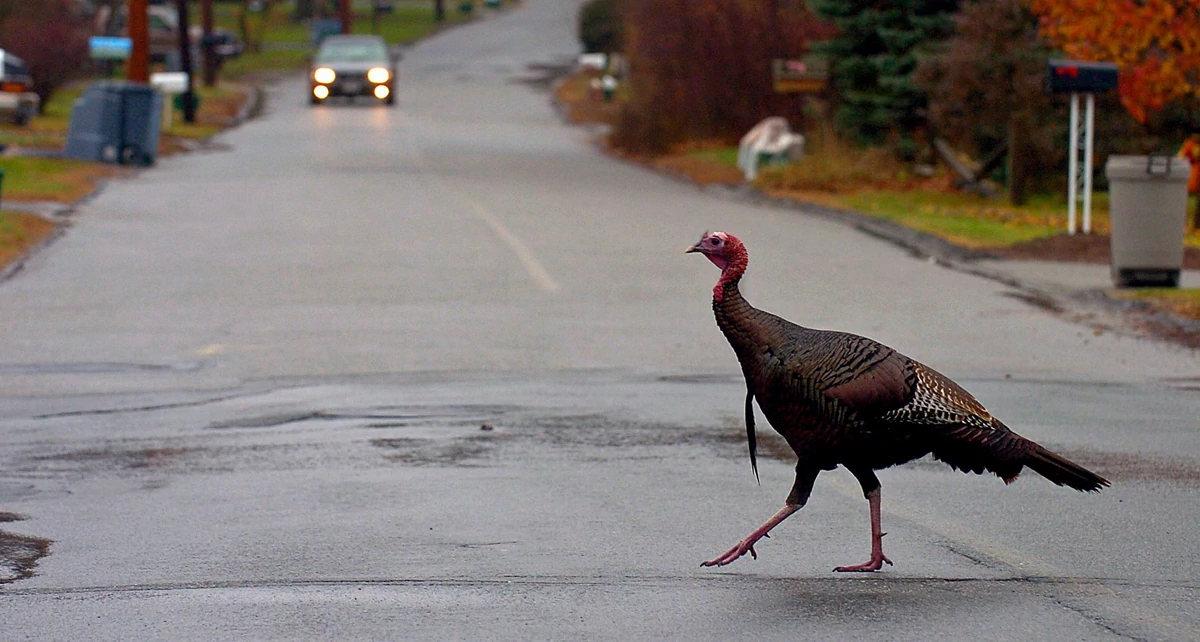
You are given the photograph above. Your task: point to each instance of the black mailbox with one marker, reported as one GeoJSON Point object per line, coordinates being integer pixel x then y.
{"type": "Point", "coordinates": [1081, 76]}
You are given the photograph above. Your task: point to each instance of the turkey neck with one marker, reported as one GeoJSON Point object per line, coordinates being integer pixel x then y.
{"type": "Point", "coordinates": [749, 330]}
{"type": "Point", "coordinates": [734, 314]}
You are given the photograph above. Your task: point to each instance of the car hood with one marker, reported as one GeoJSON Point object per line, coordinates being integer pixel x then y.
{"type": "Point", "coordinates": [352, 67]}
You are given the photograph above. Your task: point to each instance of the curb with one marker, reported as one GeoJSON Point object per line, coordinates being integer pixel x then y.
{"type": "Point", "coordinates": [18, 264]}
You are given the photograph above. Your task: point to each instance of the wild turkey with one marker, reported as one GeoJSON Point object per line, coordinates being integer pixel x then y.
{"type": "Point", "coordinates": [842, 399]}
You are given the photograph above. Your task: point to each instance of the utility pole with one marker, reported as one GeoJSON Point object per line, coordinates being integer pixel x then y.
{"type": "Point", "coordinates": [185, 57]}
{"type": "Point", "coordinates": [344, 14]}
{"type": "Point", "coordinates": [139, 33]}
{"type": "Point", "coordinates": [206, 43]}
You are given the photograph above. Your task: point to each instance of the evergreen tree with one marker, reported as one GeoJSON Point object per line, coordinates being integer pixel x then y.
{"type": "Point", "coordinates": [600, 26]}
{"type": "Point", "coordinates": [986, 89]}
{"type": "Point", "coordinates": [873, 60]}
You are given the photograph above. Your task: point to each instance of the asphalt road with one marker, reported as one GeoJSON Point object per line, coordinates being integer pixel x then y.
{"type": "Point", "coordinates": [243, 398]}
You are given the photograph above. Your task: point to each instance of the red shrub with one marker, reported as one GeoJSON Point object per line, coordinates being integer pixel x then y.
{"type": "Point", "coordinates": [701, 69]}
{"type": "Point", "coordinates": [52, 37]}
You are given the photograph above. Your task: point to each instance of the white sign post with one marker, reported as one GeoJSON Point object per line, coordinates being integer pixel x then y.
{"type": "Point", "coordinates": [1079, 187]}
{"type": "Point", "coordinates": [1080, 77]}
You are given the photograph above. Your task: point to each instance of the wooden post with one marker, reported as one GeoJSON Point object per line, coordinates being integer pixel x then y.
{"type": "Point", "coordinates": [206, 44]}
{"type": "Point", "coordinates": [138, 69]}
{"type": "Point", "coordinates": [185, 57]}
{"type": "Point", "coordinates": [344, 14]}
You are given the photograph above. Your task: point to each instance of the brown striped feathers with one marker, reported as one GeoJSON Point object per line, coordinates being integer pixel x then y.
{"type": "Point", "coordinates": [842, 399]}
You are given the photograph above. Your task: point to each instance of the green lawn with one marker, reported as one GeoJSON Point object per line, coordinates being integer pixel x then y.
{"type": "Point", "coordinates": [725, 155]}
{"type": "Point", "coordinates": [268, 60]}
{"type": "Point", "coordinates": [48, 179]}
{"type": "Point", "coordinates": [963, 219]}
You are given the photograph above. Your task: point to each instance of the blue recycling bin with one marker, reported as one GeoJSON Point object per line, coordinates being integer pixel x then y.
{"type": "Point", "coordinates": [116, 122]}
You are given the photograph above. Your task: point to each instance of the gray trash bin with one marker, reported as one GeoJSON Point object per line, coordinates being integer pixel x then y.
{"type": "Point", "coordinates": [1147, 198]}
{"type": "Point", "coordinates": [116, 122]}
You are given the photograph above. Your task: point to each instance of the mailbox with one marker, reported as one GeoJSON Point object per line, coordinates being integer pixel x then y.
{"type": "Point", "coordinates": [1081, 76]}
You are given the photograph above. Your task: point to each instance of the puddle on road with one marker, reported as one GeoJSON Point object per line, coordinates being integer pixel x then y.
{"type": "Point", "coordinates": [452, 436]}
{"type": "Point", "coordinates": [110, 459]}
{"type": "Point", "coordinates": [376, 417]}
{"type": "Point", "coordinates": [19, 554]}
{"type": "Point", "coordinates": [603, 437]}
{"type": "Point", "coordinates": [607, 432]}
{"type": "Point", "coordinates": [463, 436]}
{"type": "Point", "coordinates": [469, 452]}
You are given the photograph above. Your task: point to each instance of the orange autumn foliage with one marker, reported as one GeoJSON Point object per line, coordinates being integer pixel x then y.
{"type": "Point", "coordinates": [1156, 44]}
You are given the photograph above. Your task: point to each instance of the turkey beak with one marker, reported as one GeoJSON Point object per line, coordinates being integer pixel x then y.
{"type": "Point", "coordinates": [693, 248]}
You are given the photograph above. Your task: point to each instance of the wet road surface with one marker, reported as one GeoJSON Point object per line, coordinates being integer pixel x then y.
{"type": "Point", "coordinates": [244, 397]}
{"type": "Point", "coordinates": [381, 508]}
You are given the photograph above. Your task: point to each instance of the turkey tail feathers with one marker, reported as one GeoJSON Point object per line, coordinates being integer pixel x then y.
{"type": "Point", "coordinates": [1062, 471]}
{"type": "Point", "coordinates": [750, 434]}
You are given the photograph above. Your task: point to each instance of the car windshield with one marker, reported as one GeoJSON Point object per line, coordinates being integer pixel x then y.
{"type": "Point", "coordinates": [352, 51]}
{"type": "Point", "coordinates": [13, 66]}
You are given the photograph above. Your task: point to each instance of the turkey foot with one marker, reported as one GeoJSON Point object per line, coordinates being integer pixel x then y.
{"type": "Point", "coordinates": [871, 565]}
{"type": "Point", "coordinates": [877, 556]}
{"type": "Point", "coordinates": [747, 545]}
{"type": "Point", "coordinates": [743, 547]}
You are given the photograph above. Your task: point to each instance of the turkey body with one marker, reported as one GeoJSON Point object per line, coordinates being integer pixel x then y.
{"type": "Point", "coordinates": [842, 399]}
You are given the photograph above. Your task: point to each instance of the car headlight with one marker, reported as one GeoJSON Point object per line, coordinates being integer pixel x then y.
{"type": "Point", "coordinates": [324, 75]}
{"type": "Point", "coordinates": [378, 75]}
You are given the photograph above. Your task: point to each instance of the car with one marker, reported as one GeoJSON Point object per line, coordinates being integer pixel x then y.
{"type": "Point", "coordinates": [18, 104]}
{"type": "Point", "coordinates": [352, 66]}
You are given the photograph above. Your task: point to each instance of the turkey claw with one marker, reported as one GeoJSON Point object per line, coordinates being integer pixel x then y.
{"type": "Point", "coordinates": [869, 566]}
{"type": "Point", "coordinates": [732, 554]}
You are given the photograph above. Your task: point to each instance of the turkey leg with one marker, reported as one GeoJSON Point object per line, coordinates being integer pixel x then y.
{"type": "Point", "coordinates": [747, 545]}
{"type": "Point", "coordinates": [801, 489]}
{"type": "Point", "coordinates": [877, 556]}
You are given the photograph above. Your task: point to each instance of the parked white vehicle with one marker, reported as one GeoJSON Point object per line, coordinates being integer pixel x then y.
{"type": "Point", "coordinates": [18, 104]}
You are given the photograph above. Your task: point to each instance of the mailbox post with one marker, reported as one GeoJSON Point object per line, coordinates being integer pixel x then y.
{"type": "Point", "coordinates": [171, 84]}
{"type": "Point", "coordinates": [1079, 77]}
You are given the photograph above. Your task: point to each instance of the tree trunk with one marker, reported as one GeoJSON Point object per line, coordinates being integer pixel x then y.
{"type": "Point", "coordinates": [1018, 176]}
{"type": "Point", "coordinates": [185, 57]}
{"type": "Point", "coordinates": [206, 44]}
{"type": "Point", "coordinates": [304, 10]}
{"type": "Point", "coordinates": [264, 22]}
{"type": "Point", "coordinates": [439, 10]}
{"type": "Point", "coordinates": [138, 67]}
{"type": "Point", "coordinates": [253, 35]}
{"type": "Point", "coordinates": [344, 14]}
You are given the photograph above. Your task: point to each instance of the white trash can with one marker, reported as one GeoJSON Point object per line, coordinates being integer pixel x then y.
{"type": "Point", "coordinates": [1147, 200]}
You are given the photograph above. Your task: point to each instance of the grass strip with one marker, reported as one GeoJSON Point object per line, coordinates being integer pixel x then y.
{"type": "Point", "coordinates": [19, 233]}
